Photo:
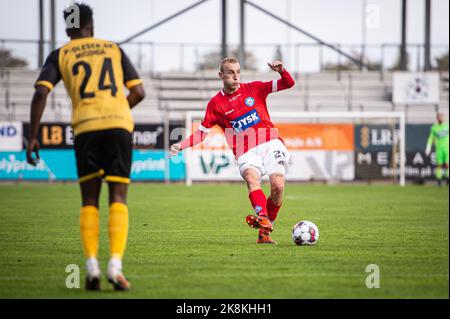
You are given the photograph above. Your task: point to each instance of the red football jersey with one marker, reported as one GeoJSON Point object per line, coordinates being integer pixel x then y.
{"type": "Point", "coordinates": [243, 115]}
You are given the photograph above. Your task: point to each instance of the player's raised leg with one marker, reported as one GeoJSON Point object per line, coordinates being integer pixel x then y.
{"type": "Point", "coordinates": [89, 228]}
{"type": "Point", "coordinates": [118, 234]}
{"type": "Point", "coordinates": [257, 199]}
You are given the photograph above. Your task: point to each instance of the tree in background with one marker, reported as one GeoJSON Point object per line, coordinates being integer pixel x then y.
{"type": "Point", "coordinates": [210, 60]}
{"type": "Point", "coordinates": [396, 65]}
{"type": "Point", "coordinates": [442, 62]}
{"type": "Point", "coordinates": [351, 66]}
{"type": "Point", "coordinates": [8, 60]}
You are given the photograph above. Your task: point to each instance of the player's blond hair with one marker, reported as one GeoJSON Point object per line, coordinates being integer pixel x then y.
{"type": "Point", "coordinates": [227, 60]}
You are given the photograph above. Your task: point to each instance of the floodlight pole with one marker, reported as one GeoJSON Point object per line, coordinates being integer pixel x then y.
{"type": "Point", "coordinates": [52, 25]}
{"type": "Point", "coordinates": [224, 29]}
{"type": "Point", "coordinates": [403, 57]}
{"type": "Point", "coordinates": [41, 34]}
{"type": "Point", "coordinates": [364, 32]}
{"type": "Point", "coordinates": [53, 40]}
{"type": "Point", "coordinates": [427, 55]}
{"type": "Point", "coordinates": [242, 35]}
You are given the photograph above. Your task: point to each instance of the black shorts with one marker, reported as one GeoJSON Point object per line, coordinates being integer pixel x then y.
{"type": "Point", "coordinates": [105, 153]}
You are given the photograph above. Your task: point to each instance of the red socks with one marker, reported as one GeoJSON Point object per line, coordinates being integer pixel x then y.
{"type": "Point", "coordinates": [259, 202]}
{"type": "Point", "coordinates": [263, 206]}
{"type": "Point", "coordinates": [272, 210]}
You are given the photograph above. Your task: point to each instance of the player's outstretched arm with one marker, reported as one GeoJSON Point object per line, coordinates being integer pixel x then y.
{"type": "Point", "coordinates": [37, 108]}
{"type": "Point", "coordinates": [200, 134]}
{"type": "Point", "coordinates": [286, 81]}
{"type": "Point", "coordinates": [196, 138]}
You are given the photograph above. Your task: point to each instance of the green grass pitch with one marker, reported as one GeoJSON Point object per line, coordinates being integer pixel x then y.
{"type": "Point", "coordinates": [194, 242]}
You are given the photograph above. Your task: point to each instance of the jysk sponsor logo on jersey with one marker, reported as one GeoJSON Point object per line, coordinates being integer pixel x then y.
{"type": "Point", "coordinates": [245, 121]}
{"type": "Point", "coordinates": [249, 101]}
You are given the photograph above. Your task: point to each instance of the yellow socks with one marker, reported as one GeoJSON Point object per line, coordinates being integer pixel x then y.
{"type": "Point", "coordinates": [118, 229]}
{"type": "Point", "coordinates": [89, 226]}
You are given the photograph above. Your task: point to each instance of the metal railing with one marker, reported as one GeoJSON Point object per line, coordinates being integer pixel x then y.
{"type": "Point", "coordinates": [185, 57]}
{"type": "Point", "coordinates": [170, 56]}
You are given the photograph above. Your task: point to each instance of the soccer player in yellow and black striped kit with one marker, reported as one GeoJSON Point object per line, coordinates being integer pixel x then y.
{"type": "Point", "coordinates": [94, 73]}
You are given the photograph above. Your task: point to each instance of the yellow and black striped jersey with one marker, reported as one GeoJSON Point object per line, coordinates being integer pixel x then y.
{"type": "Point", "coordinates": [94, 72]}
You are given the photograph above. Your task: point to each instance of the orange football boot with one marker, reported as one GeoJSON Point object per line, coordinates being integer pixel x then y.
{"type": "Point", "coordinates": [264, 238]}
{"type": "Point", "coordinates": [261, 222]}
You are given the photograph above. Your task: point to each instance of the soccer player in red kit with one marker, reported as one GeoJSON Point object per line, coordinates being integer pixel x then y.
{"type": "Point", "coordinates": [240, 110]}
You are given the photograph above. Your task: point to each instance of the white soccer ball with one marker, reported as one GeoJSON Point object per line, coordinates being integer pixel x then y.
{"type": "Point", "coordinates": [305, 233]}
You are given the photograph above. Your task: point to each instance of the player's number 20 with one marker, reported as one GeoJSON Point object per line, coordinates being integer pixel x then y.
{"type": "Point", "coordinates": [106, 69]}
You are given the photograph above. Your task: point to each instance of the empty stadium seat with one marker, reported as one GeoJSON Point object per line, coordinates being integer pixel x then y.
{"type": "Point", "coordinates": [174, 93]}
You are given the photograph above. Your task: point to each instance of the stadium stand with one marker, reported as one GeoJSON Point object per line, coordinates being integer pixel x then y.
{"type": "Point", "coordinates": [176, 92]}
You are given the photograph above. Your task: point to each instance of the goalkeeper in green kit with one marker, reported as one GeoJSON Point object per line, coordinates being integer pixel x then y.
{"type": "Point", "coordinates": [439, 135]}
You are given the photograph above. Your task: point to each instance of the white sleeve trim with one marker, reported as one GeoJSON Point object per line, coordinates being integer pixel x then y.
{"type": "Point", "coordinates": [204, 129]}
{"type": "Point", "coordinates": [274, 86]}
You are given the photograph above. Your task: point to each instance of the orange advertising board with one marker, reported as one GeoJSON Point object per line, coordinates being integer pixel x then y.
{"type": "Point", "coordinates": [296, 136]}
{"type": "Point", "coordinates": [329, 137]}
